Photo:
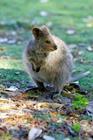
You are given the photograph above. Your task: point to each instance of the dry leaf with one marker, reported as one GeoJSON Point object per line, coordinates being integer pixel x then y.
{"type": "Point", "coordinates": [89, 109]}
{"type": "Point", "coordinates": [43, 13]}
{"type": "Point", "coordinates": [34, 133]}
{"type": "Point", "coordinates": [89, 48]}
{"type": "Point", "coordinates": [70, 31]}
{"type": "Point", "coordinates": [12, 88]}
{"type": "Point", "coordinates": [45, 137]}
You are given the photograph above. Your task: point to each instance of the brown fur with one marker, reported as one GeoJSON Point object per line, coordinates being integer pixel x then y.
{"type": "Point", "coordinates": [48, 59]}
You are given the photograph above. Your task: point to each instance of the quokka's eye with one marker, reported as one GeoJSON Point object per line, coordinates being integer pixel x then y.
{"type": "Point", "coordinates": [47, 41]}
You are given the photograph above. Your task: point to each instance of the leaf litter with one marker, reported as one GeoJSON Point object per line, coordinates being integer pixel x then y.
{"type": "Point", "coordinates": [36, 114]}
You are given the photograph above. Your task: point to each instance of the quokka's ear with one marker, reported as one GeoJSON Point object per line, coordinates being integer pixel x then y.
{"type": "Point", "coordinates": [37, 32]}
{"type": "Point", "coordinates": [45, 29]}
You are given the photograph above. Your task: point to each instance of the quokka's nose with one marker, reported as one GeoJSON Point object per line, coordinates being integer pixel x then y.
{"type": "Point", "coordinates": [55, 47]}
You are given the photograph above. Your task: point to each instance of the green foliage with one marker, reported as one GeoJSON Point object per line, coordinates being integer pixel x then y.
{"type": "Point", "coordinates": [80, 102]}
{"type": "Point", "coordinates": [76, 127]}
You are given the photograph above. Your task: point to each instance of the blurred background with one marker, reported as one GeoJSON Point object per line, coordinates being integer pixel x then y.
{"type": "Point", "coordinates": [71, 20]}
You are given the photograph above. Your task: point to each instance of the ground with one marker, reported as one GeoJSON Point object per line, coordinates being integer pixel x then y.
{"type": "Point", "coordinates": [71, 20]}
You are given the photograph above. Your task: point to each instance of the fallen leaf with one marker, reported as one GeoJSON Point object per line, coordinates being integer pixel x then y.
{"type": "Point", "coordinates": [34, 133]}
{"type": "Point", "coordinates": [12, 41]}
{"type": "Point", "coordinates": [80, 53]}
{"type": "Point", "coordinates": [89, 48]}
{"type": "Point", "coordinates": [89, 109]}
{"type": "Point", "coordinates": [12, 88]}
{"type": "Point", "coordinates": [45, 137]}
{"type": "Point", "coordinates": [70, 31]}
{"type": "Point", "coordinates": [3, 40]}
{"type": "Point", "coordinates": [43, 13]}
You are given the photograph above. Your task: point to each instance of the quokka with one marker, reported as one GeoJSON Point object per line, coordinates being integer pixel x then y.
{"type": "Point", "coordinates": [47, 59]}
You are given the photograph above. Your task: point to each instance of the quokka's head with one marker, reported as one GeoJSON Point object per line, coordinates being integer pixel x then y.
{"type": "Point", "coordinates": [44, 38]}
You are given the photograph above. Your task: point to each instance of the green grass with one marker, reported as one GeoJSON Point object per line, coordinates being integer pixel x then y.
{"type": "Point", "coordinates": [14, 15]}
{"type": "Point", "coordinates": [80, 102]}
{"type": "Point", "coordinates": [11, 56]}
{"type": "Point", "coordinates": [76, 127]}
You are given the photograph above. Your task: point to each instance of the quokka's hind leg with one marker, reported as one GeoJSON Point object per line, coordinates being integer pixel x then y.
{"type": "Point", "coordinates": [58, 90]}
